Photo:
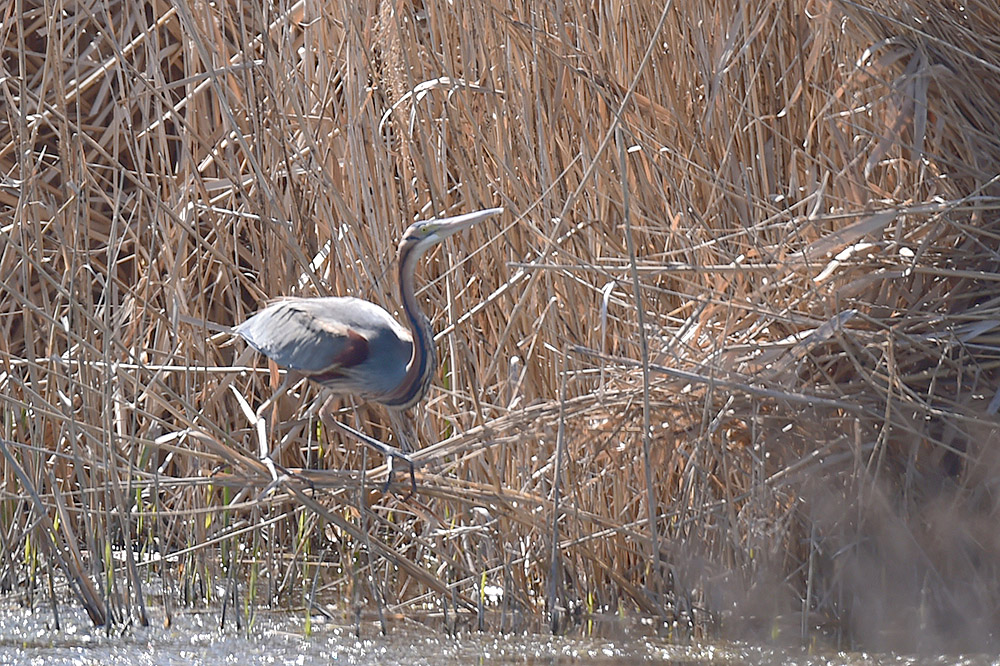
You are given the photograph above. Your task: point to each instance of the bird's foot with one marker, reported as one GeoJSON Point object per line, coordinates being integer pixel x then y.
{"type": "Point", "coordinates": [388, 451]}
{"type": "Point", "coordinates": [392, 453]}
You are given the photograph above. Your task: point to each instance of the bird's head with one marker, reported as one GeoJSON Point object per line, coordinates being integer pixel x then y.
{"type": "Point", "coordinates": [420, 236]}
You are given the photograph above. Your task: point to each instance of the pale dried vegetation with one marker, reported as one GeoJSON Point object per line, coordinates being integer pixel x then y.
{"type": "Point", "coordinates": [747, 276]}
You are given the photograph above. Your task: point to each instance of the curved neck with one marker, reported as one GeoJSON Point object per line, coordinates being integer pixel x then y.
{"type": "Point", "coordinates": [423, 359]}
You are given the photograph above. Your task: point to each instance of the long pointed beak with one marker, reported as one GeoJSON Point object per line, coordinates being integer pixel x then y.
{"type": "Point", "coordinates": [446, 226]}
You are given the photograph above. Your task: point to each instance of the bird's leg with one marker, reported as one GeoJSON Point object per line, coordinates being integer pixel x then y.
{"type": "Point", "coordinates": [265, 424]}
{"type": "Point", "coordinates": [271, 403]}
{"type": "Point", "coordinates": [390, 452]}
{"type": "Point", "coordinates": [395, 454]}
{"type": "Point", "coordinates": [399, 426]}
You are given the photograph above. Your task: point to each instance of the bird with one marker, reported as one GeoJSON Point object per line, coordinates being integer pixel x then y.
{"type": "Point", "coordinates": [355, 347]}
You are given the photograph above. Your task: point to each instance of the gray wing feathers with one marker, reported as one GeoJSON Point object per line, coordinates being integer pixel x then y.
{"type": "Point", "coordinates": [316, 335]}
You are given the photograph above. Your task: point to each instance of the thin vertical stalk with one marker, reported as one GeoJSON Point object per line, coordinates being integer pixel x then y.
{"type": "Point", "coordinates": [651, 505]}
{"type": "Point", "coordinates": [557, 475]}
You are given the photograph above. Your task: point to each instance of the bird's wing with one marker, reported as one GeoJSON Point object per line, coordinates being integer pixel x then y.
{"type": "Point", "coordinates": [328, 336]}
{"type": "Point", "coordinates": [298, 337]}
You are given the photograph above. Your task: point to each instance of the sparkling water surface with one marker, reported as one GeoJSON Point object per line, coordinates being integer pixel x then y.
{"type": "Point", "coordinates": [29, 637]}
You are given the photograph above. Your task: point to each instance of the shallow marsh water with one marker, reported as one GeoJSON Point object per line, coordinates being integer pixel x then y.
{"type": "Point", "coordinates": [27, 637]}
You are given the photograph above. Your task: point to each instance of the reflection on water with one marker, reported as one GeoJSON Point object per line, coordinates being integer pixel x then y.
{"type": "Point", "coordinates": [195, 638]}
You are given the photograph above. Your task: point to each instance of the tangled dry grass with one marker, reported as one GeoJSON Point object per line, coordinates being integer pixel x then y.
{"type": "Point", "coordinates": [746, 287]}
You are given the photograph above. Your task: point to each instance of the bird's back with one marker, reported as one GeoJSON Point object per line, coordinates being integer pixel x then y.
{"type": "Point", "coordinates": [348, 344]}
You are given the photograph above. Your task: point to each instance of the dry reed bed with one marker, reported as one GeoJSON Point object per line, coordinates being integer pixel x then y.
{"type": "Point", "coordinates": [805, 193]}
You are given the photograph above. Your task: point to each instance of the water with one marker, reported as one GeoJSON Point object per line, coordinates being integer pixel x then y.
{"type": "Point", "coordinates": [195, 638]}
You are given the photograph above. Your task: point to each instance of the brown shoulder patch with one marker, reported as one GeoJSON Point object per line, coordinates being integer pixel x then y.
{"type": "Point", "coordinates": [355, 350]}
